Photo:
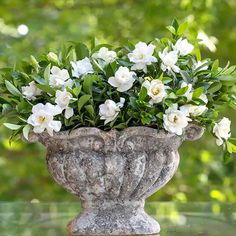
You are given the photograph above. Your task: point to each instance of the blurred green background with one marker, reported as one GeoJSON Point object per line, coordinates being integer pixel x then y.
{"type": "Point", "coordinates": [37, 26]}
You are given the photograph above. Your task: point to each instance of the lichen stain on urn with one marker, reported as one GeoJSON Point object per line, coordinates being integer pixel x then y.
{"type": "Point", "coordinates": [113, 173]}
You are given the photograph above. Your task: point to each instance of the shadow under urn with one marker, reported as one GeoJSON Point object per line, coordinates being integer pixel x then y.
{"type": "Point", "coordinates": [113, 172]}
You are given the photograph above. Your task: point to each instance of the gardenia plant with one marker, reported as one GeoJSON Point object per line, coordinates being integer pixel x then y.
{"type": "Point", "coordinates": [163, 84]}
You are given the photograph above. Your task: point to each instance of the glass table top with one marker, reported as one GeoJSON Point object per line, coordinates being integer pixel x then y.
{"type": "Point", "coordinates": [176, 219]}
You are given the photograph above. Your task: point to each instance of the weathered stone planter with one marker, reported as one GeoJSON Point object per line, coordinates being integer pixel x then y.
{"type": "Point", "coordinates": [113, 173]}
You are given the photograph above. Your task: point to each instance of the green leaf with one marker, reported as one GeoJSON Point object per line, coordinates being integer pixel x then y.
{"type": "Point", "coordinates": [146, 118]}
{"type": "Point", "coordinates": [4, 100]}
{"type": "Point", "coordinates": [34, 63]}
{"type": "Point", "coordinates": [166, 80]}
{"type": "Point", "coordinates": [26, 131]}
{"type": "Point", "coordinates": [12, 89]}
{"type": "Point", "coordinates": [97, 47]}
{"type": "Point", "coordinates": [168, 102]}
{"type": "Point", "coordinates": [6, 108]}
{"type": "Point", "coordinates": [46, 88]}
{"type": "Point", "coordinates": [133, 102]}
{"type": "Point", "coordinates": [171, 29]}
{"type": "Point", "coordinates": [77, 91]}
{"type": "Point", "coordinates": [120, 126]}
{"type": "Point", "coordinates": [81, 51]}
{"type": "Point", "coordinates": [186, 77]}
{"type": "Point", "coordinates": [46, 73]}
{"type": "Point", "coordinates": [143, 93]}
{"type": "Point", "coordinates": [182, 91]}
{"type": "Point", "coordinates": [93, 43]}
{"type": "Point", "coordinates": [231, 148]}
{"type": "Point", "coordinates": [124, 63]}
{"type": "Point", "coordinates": [175, 24]}
{"type": "Point", "coordinates": [198, 92]}
{"type": "Point", "coordinates": [90, 110]}
{"type": "Point", "coordinates": [39, 79]}
{"type": "Point", "coordinates": [129, 46]}
{"type": "Point", "coordinates": [160, 115]}
{"type": "Point", "coordinates": [197, 52]}
{"type": "Point", "coordinates": [109, 71]}
{"type": "Point", "coordinates": [215, 87]}
{"type": "Point", "coordinates": [199, 68]}
{"type": "Point", "coordinates": [229, 71]}
{"type": "Point", "coordinates": [82, 101]}
{"type": "Point", "coordinates": [228, 78]}
{"type": "Point", "coordinates": [182, 28]}
{"type": "Point", "coordinates": [97, 66]}
{"type": "Point", "coordinates": [88, 83]}
{"type": "Point", "coordinates": [12, 126]}
{"type": "Point", "coordinates": [215, 66]}
{"type": "Point", "coordinates": [226, 156]}
{"type": "Point", "coordinates": [172, 96]}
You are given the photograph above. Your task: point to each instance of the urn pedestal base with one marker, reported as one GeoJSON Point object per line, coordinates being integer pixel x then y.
{"type": "Point", "coordinates": [114, 218]}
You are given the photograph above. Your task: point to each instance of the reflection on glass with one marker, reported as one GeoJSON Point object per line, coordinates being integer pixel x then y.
{"type": "Point", "coordinates": [176, 219]}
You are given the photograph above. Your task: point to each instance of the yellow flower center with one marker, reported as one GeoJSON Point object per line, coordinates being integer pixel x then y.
{"type": "Point", "coordinates": [175, 119]}
{"type": "Point", "coordinates": [42, 119]}
{"type": "Point", "coordinates": [141, 56]}
{"type": "Point", "coordinates": [155, 91]}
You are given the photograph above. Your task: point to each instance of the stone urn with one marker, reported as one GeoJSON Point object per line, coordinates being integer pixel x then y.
{"type": "Point", "coordinates": [113, 172]}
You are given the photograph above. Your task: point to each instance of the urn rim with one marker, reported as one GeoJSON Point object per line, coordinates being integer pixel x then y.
{"type": "Point", "coordinates": [191, 132]}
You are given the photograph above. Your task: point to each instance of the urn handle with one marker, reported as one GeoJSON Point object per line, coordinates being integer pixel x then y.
{"type": "Point", "coordinates": [41, 138]}
{"type": "Point", "coordinates": [193, 132]}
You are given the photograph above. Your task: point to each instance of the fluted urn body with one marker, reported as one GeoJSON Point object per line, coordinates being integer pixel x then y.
{"type": "Point", "coordinates": [113, 173]}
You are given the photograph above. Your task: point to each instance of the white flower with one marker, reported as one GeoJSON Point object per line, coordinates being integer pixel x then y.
{"type": "Point", "coordinates": [63, 99]}
{"type": "Point", "coordinates": [204, 98]}
{"type": "Point", "coordinates": [222, 130]}
{"type": "Point", "coordinates": [198, 64]}
{"type": "Point", "coordinates": [142, 56]}
{"type": "Point", "coordinates": [183, 47]}
{"type": "Point", "coordinates": [123, 79]}
{"type": "Point", "coordinates": [175, 120]}
{"type": "Point", "coordinates": [81, 67]}
{"type": "Point", "coordinates": [69, 83]}
{"type": "Point", "coordinates": [156, 90]}
{"type": "Point", "coordinates": [193, 110]}
{"type": "Point", "coordinates": [107, 55]}
{"type": "Point", "coordinates": [42, 118]}
{"type": "Point", "coordinates": [209, 41]}
{"type": "Point", "coordinates": [169, 60]}
{"type": "Point", "coordinates": [188, 94]}
{"type": "Point", "coordinates": [109, 110]}
{"type": "Point", "coordinates": [51, 56]}
{"type": "Point", "coordinates": [58, 77]}
{"type": "Point", "coordinates": [31, 91]}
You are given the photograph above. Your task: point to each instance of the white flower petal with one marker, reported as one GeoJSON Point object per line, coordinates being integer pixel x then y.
{"type": "Point", "coordinates": [123, 79]}
{"type": "Point", "coordinates": [69, 112]}
{"type": "Point", "coordinates": [38, 129]}
{"type": "Point", "coordinates": [222, 129]}
{"type": "Point", "coordinates": [219, 142]}
{"type": "Point", "coordinates": [55, 125]}
{"type": "Point", "coordinates": [113, 82]}
{"type": "Point", "coordinates": [37, 108]}
{"type": "Point", "coordinates": [50, 131]}
{"type": "Point", "coordinates": [55, 70]}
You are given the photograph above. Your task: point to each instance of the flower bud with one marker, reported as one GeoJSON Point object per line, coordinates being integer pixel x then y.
{"type": "Point", "coordinates": [51, 56]}
{"type": "Point", "coordinates": [34, 63]}
{"type": "Point", "coordinates": [149, 78]}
